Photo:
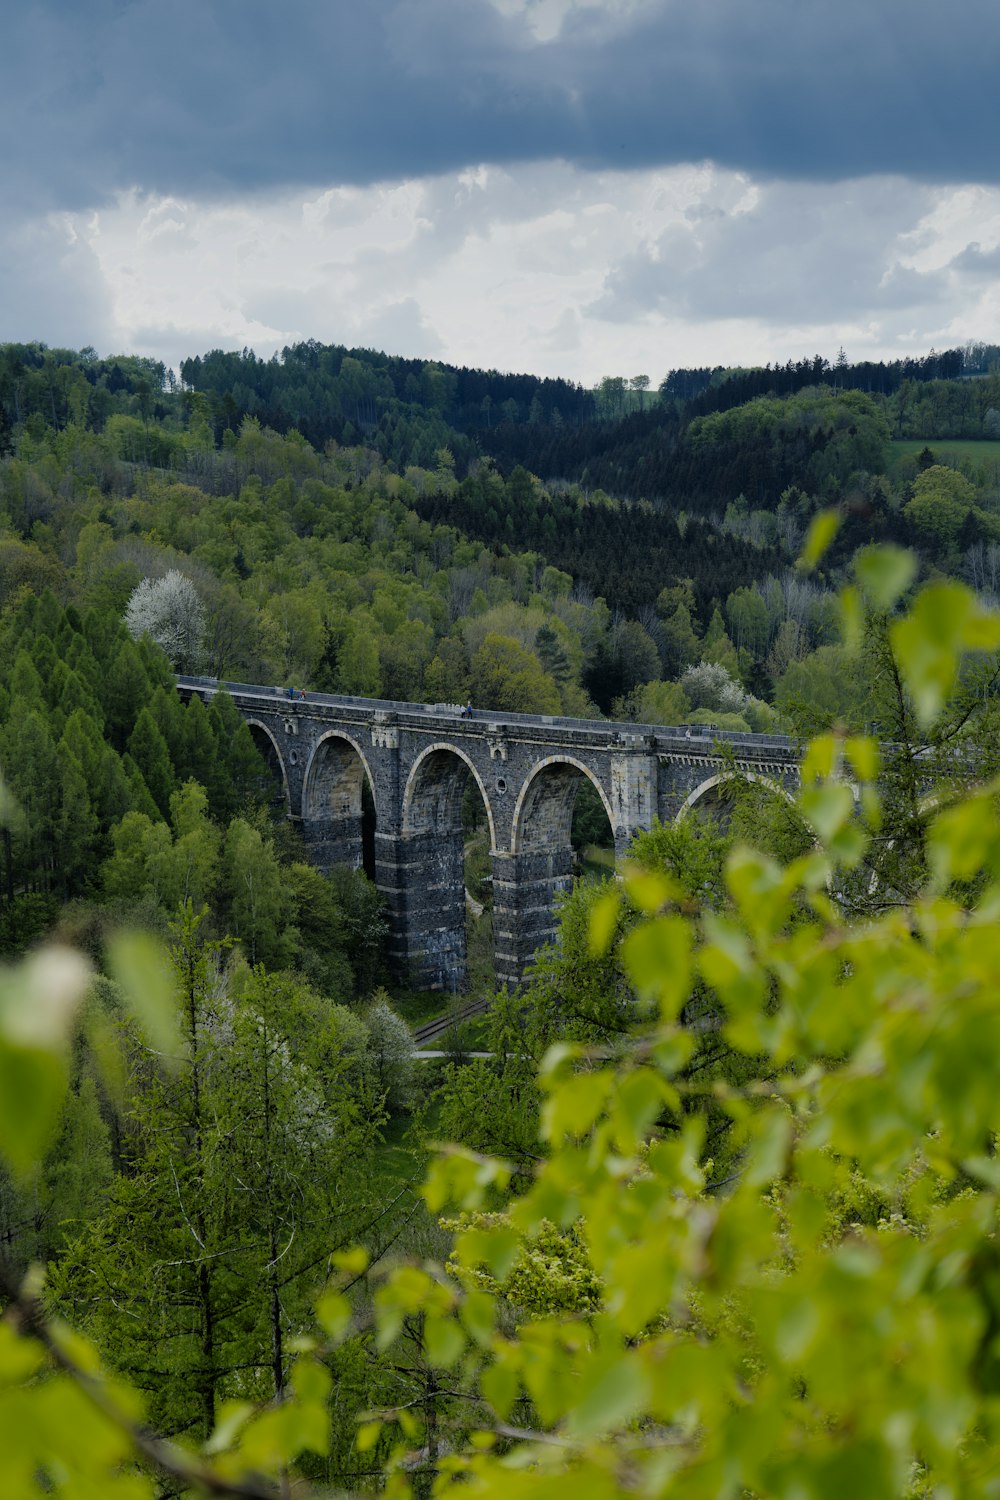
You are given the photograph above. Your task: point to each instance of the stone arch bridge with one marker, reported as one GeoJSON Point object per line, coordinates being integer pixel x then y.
{"type": "Point", "coordinates": [409, 764]}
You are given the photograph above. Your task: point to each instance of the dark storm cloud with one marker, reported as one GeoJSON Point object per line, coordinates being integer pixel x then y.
{"type": "Point", "coordinates": [218, 96]}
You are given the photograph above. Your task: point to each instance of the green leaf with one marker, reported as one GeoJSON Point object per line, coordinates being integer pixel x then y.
{"type": "Point", "coordinates": [823, 529]}
{"type": "Point", "coordinates": [367, 1436]}
{"type": "Point", "coordinates": [233, 1417]}
{"type": "Point", "coordinates": [852, 619]}
{"type": "Point", "coordinates": [611, 1393]}
{"type": "Point", "coordinates": [496, 1247]}
{"type": "Point", "coordinates": [639, 1098]}
{"type": "Point", "coordinates": [603, 920]}
{"type": "Point", "coordinates": [827, 808]}
{"type": "Point", "coordinates": [962, 840]}
{"type": "Point", "coordinates": [444, 1340]}
{"type": "Point", "coordinates": [38, 1004]}
{"type": "Point", "coordinates": [501, 1386]}
{"type": "Point", "coordinates": [657, 958]}
{"type": "Point", "coordinates": [650, 890]}
{"type": "Point", "coordinates": [20, 1358]}
{"type": "Point", "coordinates": [945, 621]}
{"type": "Point", "coordinates": [478, 1314]}
{"type": "Point", "coordinates": [863, 754]}
{"type": "Point", "coordinates": [351, 1263]}
{"type": "Point", "coordinates": [573, 1107]}
{"type": "Point", "coordinates": [885, 573]}
{"type": "Point", "coordinates": [32, 1085]}
{"type": "Point", "coordinates": [334, 1313]}
{"type": "Point", "coordinates": [142, 969]}
{"type": "Point", "coordinates": [822, 758]}
{"type": "Point", "coordinates": [770, 1138]}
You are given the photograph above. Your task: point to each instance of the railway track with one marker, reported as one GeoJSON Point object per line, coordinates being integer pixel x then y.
{"type": "Point", "coordinates": [430, 1031]}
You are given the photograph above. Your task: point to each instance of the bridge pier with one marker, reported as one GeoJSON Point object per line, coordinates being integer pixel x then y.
{"type": "Point", "coordinates": [334, 841]}
{"type": "Point", "coordinates": [431, 943]}
{"type": "Point", "coordinates": [525, 887]}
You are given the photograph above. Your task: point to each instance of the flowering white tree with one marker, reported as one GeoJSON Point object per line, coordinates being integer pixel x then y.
{"type": "Point", "coordinates": [169, 610]}
{"type": "Point", "coordinates": [709, 685]}
{"type": "Point", "coordinates": [390, 1050]}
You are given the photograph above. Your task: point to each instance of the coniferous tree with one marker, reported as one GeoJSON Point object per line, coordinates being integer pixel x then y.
{"type": "Point", "coordinates": [148, 749]}
{"type": "Point", "coordinates": [126, 690]}
{"type": "Point", "coordinates": [242, 1181]}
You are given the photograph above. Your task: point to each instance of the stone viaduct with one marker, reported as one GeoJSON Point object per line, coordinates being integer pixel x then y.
{"type": "Point", "coordinates": [408, 764]}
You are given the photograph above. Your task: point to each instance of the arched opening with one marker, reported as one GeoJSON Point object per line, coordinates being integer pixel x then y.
{"type": "Point", "coordinates": [543, 861]}
{"type": "Point", "coordinates": [562, 806]}
{"type": "Point", "coordinates": [751, 809]}
{"type": "Point", "coordinates": [591, 833]}
{"type": "Point", "coordinates": [338, 805]}
{"type": "Point", "coordinates": [268, 751]}
{"type": "Point", "coordinates": [448, 840]}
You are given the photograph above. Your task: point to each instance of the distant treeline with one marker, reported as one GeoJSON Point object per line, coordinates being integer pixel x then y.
{"type": "Point", "coordinates": [57, 387]}
{"type": "Point", "coordinates": [329, 391]}
{"type": "Point", "coordinates": [725, 442]}
{"type": "Point", "coordinates": [717, 388]}
{"type": "Point", "coordinates": [815, 439]}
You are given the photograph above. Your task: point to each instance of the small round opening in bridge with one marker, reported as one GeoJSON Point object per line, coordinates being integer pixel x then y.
{"type": "Point", "coordinates": [501, 785]}
{"type": "Point", "coordinates": [293, 756]}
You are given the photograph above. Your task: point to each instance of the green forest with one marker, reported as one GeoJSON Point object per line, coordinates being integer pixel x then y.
{"type": "Point", "coordinates": [719, 1213]}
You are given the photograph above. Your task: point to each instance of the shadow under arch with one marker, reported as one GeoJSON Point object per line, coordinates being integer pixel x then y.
{"type": "Point", "coordinates": [540, 865]}
{"type": "Point", "coordinates": [434, 790]}
{"type": "Point", "coordinates": [712, 784]}
{"type": "Point", "coordinates": [543, 813]}
{"type": "Point", "coordinates": [433, 840]}
{"type": "Point", "coordinates": [339, 809]}
{"type": "Point", "coordinates": [267, 748]}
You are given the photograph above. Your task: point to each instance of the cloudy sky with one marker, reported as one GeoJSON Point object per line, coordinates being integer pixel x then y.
{"type": "Point", "coordinates": [571, 187]}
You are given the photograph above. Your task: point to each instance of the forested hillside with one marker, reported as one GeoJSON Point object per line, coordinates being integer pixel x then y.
{"type": "Point", "coordinates": [229, 1111]}
{"type": "Point", "coordinates": [453, 533]}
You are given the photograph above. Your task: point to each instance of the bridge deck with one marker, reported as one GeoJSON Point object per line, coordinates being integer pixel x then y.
{"type": "Point", "coordinates": [676, 738]}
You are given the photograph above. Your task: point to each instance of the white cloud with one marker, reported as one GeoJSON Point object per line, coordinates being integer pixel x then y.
{"type": "Point", "coordinates": [547, 268]}
{"type": "Point", "coordinates": [51, 284]}
{"type": "Point", "coordinates": [544, 19]}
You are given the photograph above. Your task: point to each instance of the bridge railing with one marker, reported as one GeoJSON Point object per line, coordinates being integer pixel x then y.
{"type": "Point", "coordinates": [680, 736]}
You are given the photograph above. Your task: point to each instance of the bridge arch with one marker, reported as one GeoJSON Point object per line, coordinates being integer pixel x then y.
{"type": "Point", "coordinates": [335, 776]}
{"type": "Point", "coordinates": [339, 808]}
{"type": "Point", "coordinates": [433, 862]}
{"type": "Point", "coordinates": [540, 864]}
{"type": "Point", "coordinates": [709, 785]}
{"type": "Point", "coordinates": [432, 800]}
{"type": "Point", "coordinates": [543, 813]}
{"type": "Point", "coordinates": [268, 749]}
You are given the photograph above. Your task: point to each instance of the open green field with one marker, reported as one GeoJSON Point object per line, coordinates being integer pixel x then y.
{"type": "Point", "coordinates": [947, 450]}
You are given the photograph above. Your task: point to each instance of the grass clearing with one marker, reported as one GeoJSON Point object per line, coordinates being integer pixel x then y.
{"type": "Point", "coordinates": [417, 1006]}
{"type": "Point", "coordinates": [973, 451]}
